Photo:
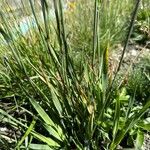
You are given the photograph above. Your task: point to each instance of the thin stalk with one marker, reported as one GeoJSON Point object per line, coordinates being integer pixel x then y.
{"type": "Point", "coordinates": [45, 16]}
{"type": "Point", "coordinates": [134, 14]}
{"type": "Point", "coordinates": [127, 38]}
{"type": "Point", "coordinates": [95, 31]}
{"type": "Point", "coordinates": [58, 24]}
{"type": "Point", "coordinates": [107, 101]}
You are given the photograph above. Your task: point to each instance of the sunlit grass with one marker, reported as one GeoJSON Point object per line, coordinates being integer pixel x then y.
{"type": "Point", "coordinates": [57, 74]}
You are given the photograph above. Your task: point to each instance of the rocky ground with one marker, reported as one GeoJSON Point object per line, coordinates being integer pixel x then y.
{"type": "Point", "coordinates": [133, 55]}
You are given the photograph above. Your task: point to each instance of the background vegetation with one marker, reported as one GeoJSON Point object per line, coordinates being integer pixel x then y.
{"type": "Point", "coordinates": [57, 86]}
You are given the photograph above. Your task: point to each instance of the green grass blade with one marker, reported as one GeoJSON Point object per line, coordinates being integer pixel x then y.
{"type": "Point", "coordinates": [38, 147]}
{"type": "Point", "coordinates": [116, 118]}
{"type": "Point", "coordinates": [46, 140]}
{"type": "Point", "coordinates": [30, 128]}
{"type": "Point", "coordinates": [139, 140]}
{"type": "Point", "coordinates": [56, 130]}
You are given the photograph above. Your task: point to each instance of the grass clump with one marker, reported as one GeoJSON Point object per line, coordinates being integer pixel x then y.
{"type": "Point", "coordinates": [65, 95]}
{"type": "Point", "coordinates": [112, 29]}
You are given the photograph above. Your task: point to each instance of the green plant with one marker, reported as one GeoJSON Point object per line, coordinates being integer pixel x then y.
{"type": "Point", "coordinates": [139, 79]}
{"type": "Point", "coordinates": [141, 32]}
{"type": "Point", "coordinates": [66, 105]}
{"type": "Point", "coordinates": [112, 29]}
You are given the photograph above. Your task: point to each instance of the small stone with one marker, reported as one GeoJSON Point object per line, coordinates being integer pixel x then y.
{"type": "Point", "coordinates": [3, 129]}
{"type": "Point", "coordinates": [133, 52]}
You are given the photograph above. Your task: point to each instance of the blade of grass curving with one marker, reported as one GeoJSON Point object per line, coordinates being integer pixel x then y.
{"type": "Point", "coordinates": [46, 140]}
{"type": "Point", "coordinates": [48, 128]}
{"type": "Point", "coordinates": [56, 130]}
{"type": "Point", "coordinates": [30, 128]}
